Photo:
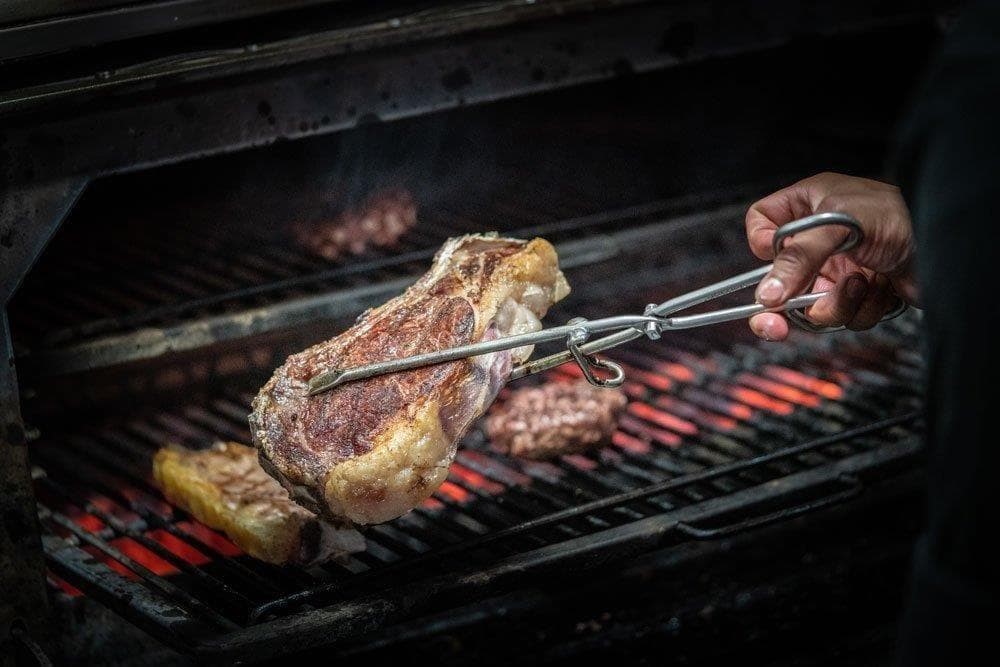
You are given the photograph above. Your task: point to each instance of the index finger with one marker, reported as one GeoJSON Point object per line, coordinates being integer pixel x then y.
{"type": "Point", "coordinates": [760, 234]}
{"type": "Point", "coordinates": [773, 211]}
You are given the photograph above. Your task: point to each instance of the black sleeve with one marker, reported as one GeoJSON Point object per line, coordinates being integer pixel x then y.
{"type": "Point", "coordinates": [949, 169]}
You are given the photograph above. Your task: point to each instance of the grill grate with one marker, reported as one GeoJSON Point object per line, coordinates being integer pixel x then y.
{"type": "Point", "coordinates": [700, 425]}
{"type": "Point", "coordinates": [171, 262]}
{"type": "Point", "coordinates": [198, 283]}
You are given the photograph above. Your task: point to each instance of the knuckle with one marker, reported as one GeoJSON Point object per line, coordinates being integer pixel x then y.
{"type": "Point", "coordinates": [793, 258]}
{"type": "Point", "coordinates": [832, 202]}
{"type": "Point", "coordinates": [819, 177]}
{"type": "Point", "coordinates": [827, 180]}
{"type": "Point", "coordinates": [760, 242]}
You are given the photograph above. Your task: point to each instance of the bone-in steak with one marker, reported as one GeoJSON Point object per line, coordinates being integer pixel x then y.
{"type": "Point", "coordinates": [371, 450]}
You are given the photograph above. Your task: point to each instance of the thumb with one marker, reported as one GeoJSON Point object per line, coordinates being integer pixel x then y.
{"type": "Point", "coordinates": [798, 262]}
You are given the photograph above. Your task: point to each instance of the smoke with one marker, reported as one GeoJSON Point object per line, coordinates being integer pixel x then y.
{"type": "Point", "coordinates": [437, 158]}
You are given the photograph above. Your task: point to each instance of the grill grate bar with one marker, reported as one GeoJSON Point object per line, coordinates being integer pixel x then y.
{"type": "Point", "coordinates": [401, 542]}
{"type": "Point", "coordinates": [173, 592]}
{"type": "Point", "coordinates": [431, 532]}
{"type": "Point", "coordinates": [510, 512]}
{"type": "Point", "coordinates": [522, 490]}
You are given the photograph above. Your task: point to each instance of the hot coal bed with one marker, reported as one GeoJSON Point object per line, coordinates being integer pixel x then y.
{"type": "Point", "coordinates": [756, 501]}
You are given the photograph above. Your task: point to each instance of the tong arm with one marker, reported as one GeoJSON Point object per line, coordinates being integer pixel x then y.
{"type": "Point", "coordinates": [332, 378]}
{"type": "Point", "coordinates": [656, 319]}
{"type": "Point", "coordinates": [577, 331]}
{"type": "Point", "coordinates": [713, 291]}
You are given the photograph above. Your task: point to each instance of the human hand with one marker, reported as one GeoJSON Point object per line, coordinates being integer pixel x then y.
{"type": "Point", "coordinates": [865, 283]}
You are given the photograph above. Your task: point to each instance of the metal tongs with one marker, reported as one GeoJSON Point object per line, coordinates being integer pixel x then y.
{"type": "Point", "coordinates": [657, 319]}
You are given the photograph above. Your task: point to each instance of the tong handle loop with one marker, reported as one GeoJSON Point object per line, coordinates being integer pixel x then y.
{"type": "Point", "coordinates": [854, 233]}
{"type": "Point", "coordinates": [854, 236]}
{"type": "Point", "coordinates": [798, 318]}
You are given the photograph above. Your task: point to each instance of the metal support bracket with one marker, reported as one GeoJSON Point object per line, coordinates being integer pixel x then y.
{"type": "Point", "coordinates": [29, 217]}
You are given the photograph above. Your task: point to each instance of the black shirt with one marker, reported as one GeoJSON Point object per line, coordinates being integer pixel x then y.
{"type": "Point", "coordinates": [949, 169]}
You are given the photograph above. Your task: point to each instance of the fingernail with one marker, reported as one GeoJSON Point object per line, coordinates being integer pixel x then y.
{"type": "Point", "coordinates": [770, 291]}
{"type": "Point", "coordinates": [768, 331]}
{"type": "Point", "coordinates": [856, 287]}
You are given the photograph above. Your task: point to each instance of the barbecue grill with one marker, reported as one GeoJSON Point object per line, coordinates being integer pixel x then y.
{"type": "Point", "coordinates": [152, 286]}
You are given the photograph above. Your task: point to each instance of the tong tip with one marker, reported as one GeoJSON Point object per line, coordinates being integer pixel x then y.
{"type": "Point", "coordinates": [325, 381]}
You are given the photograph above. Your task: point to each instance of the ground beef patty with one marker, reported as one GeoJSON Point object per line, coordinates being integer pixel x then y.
{"type": "Point", "coordinates": [377, 222]}
{"type": "Point", "coordinates": [556, 418]}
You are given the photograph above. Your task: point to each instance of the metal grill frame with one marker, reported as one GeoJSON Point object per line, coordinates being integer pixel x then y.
{"type": "Point", "coordinates": [51, 155]}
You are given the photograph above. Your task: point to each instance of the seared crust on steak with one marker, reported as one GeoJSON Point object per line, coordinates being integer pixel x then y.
{"type": "Point", "coordinates": [224, 487]}
{"type": "Point", "coordinates": [371, 450]}
{"type": "Point", "coordinates": [555, 418]}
